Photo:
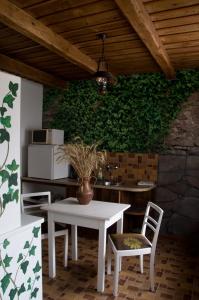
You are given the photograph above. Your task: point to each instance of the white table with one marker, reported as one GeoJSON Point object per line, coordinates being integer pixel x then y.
{"type": "Point", "coordinates": [97, 214]}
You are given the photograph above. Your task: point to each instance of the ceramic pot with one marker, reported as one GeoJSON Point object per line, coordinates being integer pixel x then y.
{"type": "Point", "coordinates": [85, 192]}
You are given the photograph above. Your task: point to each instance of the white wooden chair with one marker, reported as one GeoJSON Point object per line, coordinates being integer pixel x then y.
{"type": "Point", "coordinates": [31, 204]}
{"type": "Point", "coordinates": [132, 244]}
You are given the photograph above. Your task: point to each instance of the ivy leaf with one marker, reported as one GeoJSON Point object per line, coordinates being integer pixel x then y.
{"type": "Point", "coordinates": [5, 121]}
{"type": "Point", "coordinates": [8, 99]}
{"type": "Point", "coordinates": [4, 135]}
{"type": "Point", "coordinates": [2, 111]}
{"type": "Point", "coordinates": [27, 245]}
{"type": "Point", "coordinates": [4, 175]}
{"type": "Point", "coordinates": [6, 199]}
{"type": "Point", "coordinates": [22, 289]}
{"type": "Point", "coordinates": [24, 266]}
{"type": "Point", "coordinates": [29, 287]}
{"type": "Point", "coordinates": [13, 179]}
{"type": "Point", "coordinates": [12, 293]}
{"type": "Point", "coordinates": [7, 261]}
{"type": "Point", "coordinates": [36, 231]}
{"type": "Point", "coordinates": [32, 250]}
{"type": "Point", "coordinates": [37, 278]}
{"type": "Point", "coordinates": [10, 191]}
{"type": "Point", "coordinates": [5, 282]}
{"type": "Point", "coordinates": [37, 268]}
{"type": "Point", "coordinates": [5, 243]}
{"type": "Point", "coordinates": [13, 87]}
{"type": "Point", "coordinates": [20, 257]}
{"type": "Point", "coordinates": [13, 166]}
{"type": "Point", "coordinates": [34, 293]}
{"type": "Point", "coordinates": [15, 196]}
{"type": "Point", "coordinates": [29, 280]}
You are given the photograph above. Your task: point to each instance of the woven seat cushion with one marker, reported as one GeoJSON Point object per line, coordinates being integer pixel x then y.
{"type": "Point", "coordinates": [129, 241]}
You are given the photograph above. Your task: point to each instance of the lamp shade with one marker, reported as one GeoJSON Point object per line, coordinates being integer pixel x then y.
{"type": "Point", "coordinates": [103, 77]}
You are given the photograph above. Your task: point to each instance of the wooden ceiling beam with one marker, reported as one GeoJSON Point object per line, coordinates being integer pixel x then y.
{"type": "Point", "coordinates": [21, 21]}
{"type": "Point", "coordinates": [16, 67]}
{"type": "Point", "coordinates": [139, 19]}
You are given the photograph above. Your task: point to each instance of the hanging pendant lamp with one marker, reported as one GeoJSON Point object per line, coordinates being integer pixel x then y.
{"type": "Point", "coordinates": [103, 77]}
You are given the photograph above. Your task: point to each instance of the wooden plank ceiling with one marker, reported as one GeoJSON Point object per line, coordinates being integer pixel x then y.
{"type": "Point", "coordinates": [55, 41]}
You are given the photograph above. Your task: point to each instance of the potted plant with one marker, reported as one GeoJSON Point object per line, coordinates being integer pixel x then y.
{"type": "Point", "coordinates": [85, 159]}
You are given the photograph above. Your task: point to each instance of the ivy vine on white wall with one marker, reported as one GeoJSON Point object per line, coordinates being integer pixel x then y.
{"type": "Point", "coordinates": [8, 174]}
{"type": "Point", "coordinates": [16, 281]}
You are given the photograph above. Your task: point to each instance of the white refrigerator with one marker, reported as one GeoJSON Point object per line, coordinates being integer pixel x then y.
{"type": "Point", "coordinates": [43, 163]}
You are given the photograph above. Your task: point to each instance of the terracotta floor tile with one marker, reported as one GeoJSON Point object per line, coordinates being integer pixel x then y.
{"type": "Point", "coordinates": [177, 275]}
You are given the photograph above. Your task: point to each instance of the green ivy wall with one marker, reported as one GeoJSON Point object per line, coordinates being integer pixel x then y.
{"type": "Point", "coordinates": [134, 116]}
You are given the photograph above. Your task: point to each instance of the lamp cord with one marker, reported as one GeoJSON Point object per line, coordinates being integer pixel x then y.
{"type": "Point", "coordinates": [102, 59]}
{"type": "Point", "coordinates": [102, 55]}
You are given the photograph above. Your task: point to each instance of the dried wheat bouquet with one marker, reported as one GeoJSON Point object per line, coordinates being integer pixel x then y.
{"type": "Point", "coordinates": [84, 158]}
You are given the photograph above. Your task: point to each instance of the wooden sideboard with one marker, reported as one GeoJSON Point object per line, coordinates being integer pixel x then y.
{"type": "Point", "coordinates": [137, 196]}
{"type": "Point", "coordinates": [74, 184]}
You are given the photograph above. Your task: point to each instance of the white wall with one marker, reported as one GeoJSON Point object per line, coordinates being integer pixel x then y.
{"type": "Point", "coordinates": [31, 116]}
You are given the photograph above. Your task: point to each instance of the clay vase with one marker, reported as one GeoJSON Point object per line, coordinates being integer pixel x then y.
{"type": "Point", "coordinates": [85, 192]}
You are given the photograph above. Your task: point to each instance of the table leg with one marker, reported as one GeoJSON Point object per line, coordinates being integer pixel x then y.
{"type": "Point", "coordinates": [119, 196]}
{"type": "Point", "coordinates": [120, 225]}
{"type": "Point", "coordinates": [101, 259]}
{"type": "Point", "coordinates": [120, 230]}
{"type": "Point", "coordinates": [51, 246]}
{"type": "Point", "coordinates": [74, 242]}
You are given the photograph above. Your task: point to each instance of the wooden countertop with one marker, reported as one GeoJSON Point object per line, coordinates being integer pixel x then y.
{"type": "Point", "coordinates": [72, 182]}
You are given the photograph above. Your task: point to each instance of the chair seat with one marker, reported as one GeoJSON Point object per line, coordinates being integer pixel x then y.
{"type": "Point", "coordinates": [129, 241]}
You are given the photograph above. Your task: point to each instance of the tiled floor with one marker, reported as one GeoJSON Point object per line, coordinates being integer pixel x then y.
{"type": "Point", "coordinates": [177, 275]}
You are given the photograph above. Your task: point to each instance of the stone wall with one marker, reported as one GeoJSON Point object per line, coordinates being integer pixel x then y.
{"type": "Point", "coordinates": [178, 173]}
{"type": "Point", "coordinates": [178, 191]}
{"type": "Point", "coordinates": [184, 131]}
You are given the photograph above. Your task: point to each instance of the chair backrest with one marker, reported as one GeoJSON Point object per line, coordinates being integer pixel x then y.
{"type": "Point", "coordinates": [152, 221]}
{"type": "Point", "coordinates": [32, 201]}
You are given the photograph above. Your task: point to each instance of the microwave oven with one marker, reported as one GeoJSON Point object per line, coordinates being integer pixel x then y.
{"type": "Point", "coordinates": [47, 136]}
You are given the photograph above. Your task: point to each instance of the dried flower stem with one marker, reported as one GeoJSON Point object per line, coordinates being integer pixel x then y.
{"type": "Point", "coordinates": [84, 158]}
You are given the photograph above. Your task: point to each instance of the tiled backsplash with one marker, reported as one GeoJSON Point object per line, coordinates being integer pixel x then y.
{"type": "Point", "coordinates": [132, 167]}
